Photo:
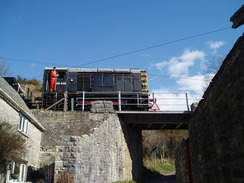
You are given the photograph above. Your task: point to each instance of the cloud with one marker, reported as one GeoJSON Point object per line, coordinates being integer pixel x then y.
{"type": "Point", "coordinates": [190, 90]}
{"type": "Point", "coordinates": [170, 101]}
{"type": "Point", "coordinates": [195, 84]}
{"type": "Point", "coordinates": [179, 66]}
{"type": "Point", "coordinates": [160, 65]}
{"type": "Point", "coordinates": [215, 45]}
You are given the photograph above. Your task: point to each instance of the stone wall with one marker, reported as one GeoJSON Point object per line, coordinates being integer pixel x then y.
{"type": "Point", "coordinates": [181, 163]}
{"type": "Point", "coordinates": [94, 147]}
{"type": "Point", "coordinates": [216, 129]}
{"type": "Point", "coordinates": [9, 114]}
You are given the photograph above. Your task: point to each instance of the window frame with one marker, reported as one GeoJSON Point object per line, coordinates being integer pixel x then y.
{"type": "Point", "coordinates": [22, 173]}
{"type": "Point", "coordinates": [23, 124]}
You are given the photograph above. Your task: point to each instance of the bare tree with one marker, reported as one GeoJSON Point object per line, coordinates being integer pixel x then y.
{"type": "Point", "coordinates": [4, 69]}
{"type": "Point", "coordinates": [165, 141]}
{"type": "Point", "coordinates": [12, 145]}
{"type": "Point", "coordinates": [213, 64]}
{"type": "Point", "coordinates": [152, 138]}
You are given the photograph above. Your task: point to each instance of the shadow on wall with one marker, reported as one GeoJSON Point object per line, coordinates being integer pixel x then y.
{"type": "Point", "coordinates": [133, 139]}
{"type": "Point", "coordinates": [42, 175]}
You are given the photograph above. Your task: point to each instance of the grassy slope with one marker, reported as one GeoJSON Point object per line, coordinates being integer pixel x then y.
{"type": "Point", "coordinates": [153, 169]}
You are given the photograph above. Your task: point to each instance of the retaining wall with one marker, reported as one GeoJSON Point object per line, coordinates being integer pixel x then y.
{"type": "Point", "coordinates": [216, 129]}
{"type": "Point", "coordinates": [94, 147]}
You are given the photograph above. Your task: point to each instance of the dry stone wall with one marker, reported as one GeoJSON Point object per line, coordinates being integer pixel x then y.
{"type": "Point", "coordinates": [94, 147]}
{"type": "Point", "coordinates": [216, 130]}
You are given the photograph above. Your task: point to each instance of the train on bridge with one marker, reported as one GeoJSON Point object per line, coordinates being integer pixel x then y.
{"type": "Point", "coordinates": [76, 88]}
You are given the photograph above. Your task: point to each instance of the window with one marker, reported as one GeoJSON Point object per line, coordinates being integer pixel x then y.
{"type": "Point", "coordinates": [61, 74]}
{"type": "Point", "coordinates": [108, 80]}
{"type": "Point", "coordinates": [16, 172]}
{"type": "Point", "coordinates": [23, 124]}
{"type": "Point", "coordinates": [22, 173]}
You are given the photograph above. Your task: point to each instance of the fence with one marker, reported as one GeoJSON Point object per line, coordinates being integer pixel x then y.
{"type": "Point", "coordinates": [137, 100]}
{"type": "Point", "coordinates": [175, 101]}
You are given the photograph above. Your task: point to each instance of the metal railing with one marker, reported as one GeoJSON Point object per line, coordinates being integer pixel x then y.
{"type": "Point", "coordinates": [137, 100]}
{"type": "Point", "coordinates": [175, 101]}
{"type": "Point", "coordinates": [119, 99]}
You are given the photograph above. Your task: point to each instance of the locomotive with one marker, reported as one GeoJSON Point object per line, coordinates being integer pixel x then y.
{"type": "Point", "coordinates": [126, 88]}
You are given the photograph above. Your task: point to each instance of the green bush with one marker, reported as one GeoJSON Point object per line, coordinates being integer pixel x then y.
{"type": "Point", "coordinates": [155, 169]}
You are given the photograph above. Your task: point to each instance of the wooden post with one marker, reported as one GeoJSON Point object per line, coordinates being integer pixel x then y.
{"type": "Point", "coordinates": [54, 104]}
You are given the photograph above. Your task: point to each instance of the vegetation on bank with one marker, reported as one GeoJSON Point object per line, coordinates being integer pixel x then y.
{"type": "Point", "coordinates": [33, 85]}
{"type": "Point", "coordinates": [166, 142]}
{"type": "Point", "coordinates": [159, 152]}
{"type": "Point", "coordinates": [130, 181]}
{"type": "Point", "coordinates": [162, 167]}
{"type": "Point", "coordinates": [154, 169]}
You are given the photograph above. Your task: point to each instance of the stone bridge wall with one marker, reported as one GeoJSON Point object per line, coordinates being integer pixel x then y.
{"type": "Point", "coordinates": [94, 147]}
{"type": "Point", "coordinates": [216, 130]}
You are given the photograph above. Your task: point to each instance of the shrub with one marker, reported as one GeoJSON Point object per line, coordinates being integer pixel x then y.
{"type": "Point", "coordinates": [12, 145]}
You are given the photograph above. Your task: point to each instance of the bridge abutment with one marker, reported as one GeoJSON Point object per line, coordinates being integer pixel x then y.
{"type": "Point", "coordinates": [93, 147]}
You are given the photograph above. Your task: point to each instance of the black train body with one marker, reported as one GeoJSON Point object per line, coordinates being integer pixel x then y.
{"type": "Point", "coordinates": [126, 88]}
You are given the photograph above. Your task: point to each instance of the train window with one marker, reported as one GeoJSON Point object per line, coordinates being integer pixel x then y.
{"type": "Point", "coordinates": [61, 74]}
{"type": "Point", "coordinates": [84, 82]}
{"type": "Point", "coordinates": [108, 80]}
{"type": "Point", "coordinates": [97, 79]}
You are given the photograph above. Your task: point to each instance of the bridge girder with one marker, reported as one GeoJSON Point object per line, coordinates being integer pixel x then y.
{"type": "Point", "coordinates": [156, 120]}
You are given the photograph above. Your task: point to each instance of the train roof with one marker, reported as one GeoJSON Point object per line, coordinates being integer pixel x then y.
{"type": "Point", "coordinates": [96, 69]}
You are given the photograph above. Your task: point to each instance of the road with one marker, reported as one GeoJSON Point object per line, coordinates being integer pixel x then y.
{"type": "Point", "coordinates": [164, 179]}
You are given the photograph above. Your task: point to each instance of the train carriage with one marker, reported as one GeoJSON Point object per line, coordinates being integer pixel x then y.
{"type": "Point", "coordinates": [126, 88]}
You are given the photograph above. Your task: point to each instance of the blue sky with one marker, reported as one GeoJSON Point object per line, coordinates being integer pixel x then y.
{"type": "Point", "coordinates": [40, 33]}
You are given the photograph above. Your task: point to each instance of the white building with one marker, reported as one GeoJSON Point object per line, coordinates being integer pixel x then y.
{"type": "Point", "coordinates": [14, 111]}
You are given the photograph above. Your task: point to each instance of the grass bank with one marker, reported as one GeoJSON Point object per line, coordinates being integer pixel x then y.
{"type": "Point", "coordinates": [154, 169]}
{"type": "Point", "coordinates": [162, 167]}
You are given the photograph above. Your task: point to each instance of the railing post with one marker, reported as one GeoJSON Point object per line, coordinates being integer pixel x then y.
{"type": "Point", "coordinates": [83, 100]}
{"type": "Point", "coordinates": [65, 101]}
{"type": "Point", "coordinates": [119, 100]}
{"type": "Point", "coordinates": [187, 104]}
{"type": "Point", "coordinates": [138, 100]}
{"type": "Point", "coordinates": [72, 104]}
